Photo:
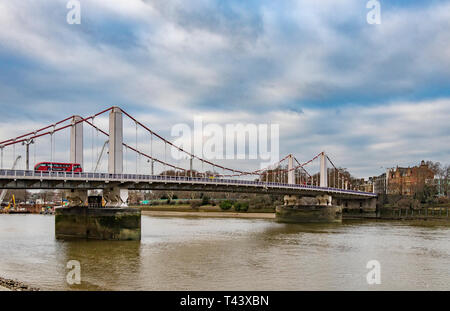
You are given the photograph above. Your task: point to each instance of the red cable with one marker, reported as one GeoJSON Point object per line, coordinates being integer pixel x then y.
{"type": "Point", "coordinates": [241, 173]}
{"type": "Point", "coordinates": [55, 130]}
{"type": "Point", "coordinates": [28, 134]}
{"type": "Point", "coordinates": [193, 155]}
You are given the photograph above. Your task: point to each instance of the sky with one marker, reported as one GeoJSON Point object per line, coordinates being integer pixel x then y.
{"type": "Point", "coordinates": [372, 96]}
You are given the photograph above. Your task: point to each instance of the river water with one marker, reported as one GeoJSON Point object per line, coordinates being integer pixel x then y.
{"type": "Point", "coordinates": [178, 253]}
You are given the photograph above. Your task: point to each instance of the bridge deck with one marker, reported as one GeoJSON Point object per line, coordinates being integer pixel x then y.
{"type": "Point", "coordinates": [21, 179]}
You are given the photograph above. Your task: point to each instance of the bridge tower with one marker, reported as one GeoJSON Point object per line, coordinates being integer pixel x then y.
{"type": "Point", "coordinates": [291, 172]}
{"type": "Point", "coordinates": [81, 221]}
{"type": "Point", "coordinates": [115, 161]}
{"type": "Point", "coordinates": [76, 141]}
{"type": "Point", "coordinates": [323, 170]}
{"type": "Point", "coordinates": [115, 196]}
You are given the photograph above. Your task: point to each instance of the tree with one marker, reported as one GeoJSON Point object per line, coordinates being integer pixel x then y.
{"type": "Point", "coordinates": [244, 206]}
{"type": "Point", "coordinates": [241, 206]}
{"type": "Point", "coordinates": [425, 194]}
{"type": "Point", "coordinates": [237, 206]}
{"type": "Point", "coordinates": [205, 200]}
{"type": "Point", "coordinates": [226, 205]}
{"type": "Point", "coordinates": [447, 180]}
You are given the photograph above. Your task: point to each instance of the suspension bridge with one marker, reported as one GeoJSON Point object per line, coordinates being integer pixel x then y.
{"type": "Point", "coordinates": [330, 185]}
{"type": "Point", "coordinates": [286, 177]}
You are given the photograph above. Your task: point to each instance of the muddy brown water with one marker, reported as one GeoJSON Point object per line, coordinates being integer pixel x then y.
{"type": "Point", "coordinates": [193, 253]}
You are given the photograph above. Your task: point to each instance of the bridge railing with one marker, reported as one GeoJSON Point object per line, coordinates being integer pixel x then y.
{"type": "Point", "coordinates": [142, 177]}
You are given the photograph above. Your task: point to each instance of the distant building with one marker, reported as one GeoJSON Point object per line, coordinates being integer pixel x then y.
{"type": "Point", "coordinates": [380, 184]}
{"type": "Point", "coordinates": [375, 184]}
{"type": "Point", "coordinates": [366, 186]}
{"type": "Point", "coordinates": [442, 186]}
{"type": "Point", "coordinates": [407, 180]}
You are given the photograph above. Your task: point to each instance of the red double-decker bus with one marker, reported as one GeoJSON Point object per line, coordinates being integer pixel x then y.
{"type": "Point", "coordinates": [58, 167]}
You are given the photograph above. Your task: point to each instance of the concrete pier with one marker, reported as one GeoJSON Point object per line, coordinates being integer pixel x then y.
{"type": "Point", "coordinates": [298, 209]}
{"type": "Point", "coordinates": [359, 208]}
{"type": "Point", "coordinates": [98, 223]}
{"type": "Point", "coordinates": [309, 214]}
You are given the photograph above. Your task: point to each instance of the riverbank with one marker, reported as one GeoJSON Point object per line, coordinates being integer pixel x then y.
{"type": "Point", "coordinates": [213, 214]}
{"type": "Point", "coordinates": [204, 208]}
{"type": "Point", "coordinates": [185, 210]}
{"type": "Point", "coordinates": [14, 285]}
{"type": "Point", "coordinates": [428, 217]}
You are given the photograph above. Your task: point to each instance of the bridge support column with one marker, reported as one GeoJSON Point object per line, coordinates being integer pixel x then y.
{"type": "Point", "coordinates": [76, 197]}
{"type": "Point", "coordinates": [115, 161]}
{"type": "Point", "coordinates": [360, 208]}
{"type": "Point", "coordinates": [115, 197]}
{"type": "Point", "coordinates": [302, 210]}
{"type": "Point", "coordinates": [98, 223]}
{"type": "Point", "coordinates": [324, 200]}
{"type": "Point", "coordinates": [76, 141]}
{"type": "Point", "coordinates": [323, 170]}
{"type": "Point", "coordinates": [291, 199]}
{"type": "Point", "coordinates": [370, 204]}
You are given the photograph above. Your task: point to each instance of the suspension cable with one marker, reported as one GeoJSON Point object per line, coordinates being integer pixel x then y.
{"type": "Point", "coordinates": [165, 158]}
{"type": "Point", "coordinates": [257, 172]}
{"type": "Point", "coordinates": [136, 149]}
{"type": "Point", "coordinates": [151, 152]}
{"type": "Point", "coordinates": [34, 151]}
{"type": "Point", "coordinates": [51, 147]}
{"type": "Point", "coordinates": [96, 148]}
{"type": "Point", "coordinates": [234, 172]}
{"type": "Point", "coordinates": [125, 162]}
{"type": "Point", "coordinates": [36, 134]}
{"type": "Point", "coordinates": [54, 146]}
{"type": "Point", "coordinates": [92, 147]}
{"type": "Point", "coordinates": [133, 149]}
{"type": "Point", "coordinates": [344, 177]}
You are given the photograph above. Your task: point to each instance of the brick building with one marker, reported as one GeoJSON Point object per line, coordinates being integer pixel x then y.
{"type": "Point", "coordinates": [408, 180]}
